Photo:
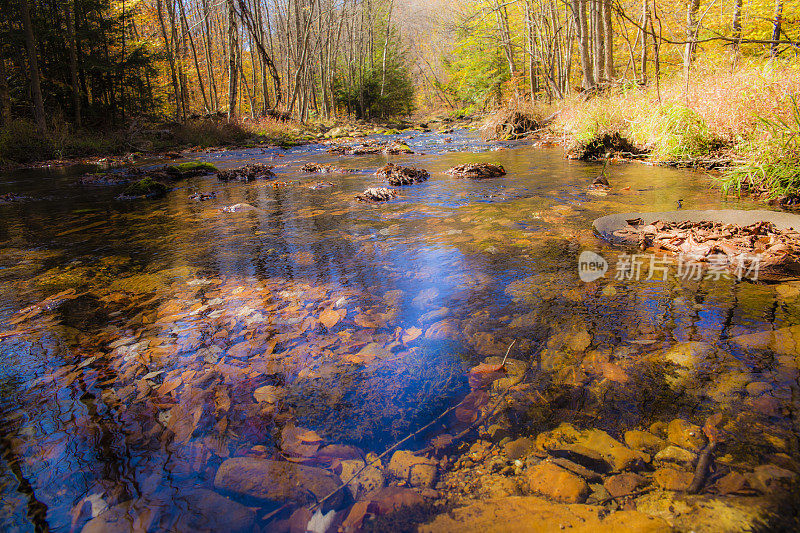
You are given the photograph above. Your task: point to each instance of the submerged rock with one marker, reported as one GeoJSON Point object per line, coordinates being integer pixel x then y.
{"type": "Point", "coordinates": [530, 513]}
{"type": "Point", "coordinates": [624, 484]}
{"type": "Point", "coordinates": [398, 175]}
{"type": "Point", "coordinates": [770, 478]}
{"type": "Point", "coordinates": [416, 471]}
{"type": "Point", "coordinates": [686, 435]}
{"type": "Point", "coordinates": [377, 194]}
{"type": "Point", "coordinates": [202, 197]}
{"type": "Point", "coordinates": [278, 481]}
{"type": "Point", "coordinates": [593, 448]}
{"type": "Point", "coordinates": [477, 171]}
{"type": "Point", "coordinates": [671, 479]}
{"type": "Point", "coordinates": [202, 510]}
{"type": "Point", "coordinates": [239, 208]}
{"type": "Point", "coordinates": [247, 173]}
{"type": "Point", "coordinates": [366, 484]}
{"type": "Point", "coordinates": [557, 483]}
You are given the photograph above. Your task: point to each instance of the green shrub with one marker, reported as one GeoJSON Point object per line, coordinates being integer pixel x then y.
{"type": "Point", "coordinates": [681, 133]}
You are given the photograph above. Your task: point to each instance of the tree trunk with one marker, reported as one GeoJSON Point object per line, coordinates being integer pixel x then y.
{"type": "Point", "coordinates": [5, 98]}
{"type": "Point", "coordinates": [645, 20]}
{"type": "Point", "coordinates": [233, 69]}
{"type": "Point", "coordinates": [691, 33]}
{"type": "Point", "coordinates": [73, 67]}
{"type": "Point", "coordinates": [386, 46]}
{"type": "Point", "coordinates": [171, 60]}
{"type": "Point", "coordinates": [608, 32]}
{"type": "Point", "coordinates": [737, 27]}
{"type": "Point", "coordinates": [209, 63]}
{"type": "Point", "coordinates": [579, 13]}
{"type": "Point", "coordinates": [776, 28]}
{"type": "Point", "coordinates": [188, 33]}
{"type": "Point", "coordinates": [33, 68]}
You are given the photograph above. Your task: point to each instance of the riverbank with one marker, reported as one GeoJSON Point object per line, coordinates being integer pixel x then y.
{"type": "Point", "coordinates": [744, 122]}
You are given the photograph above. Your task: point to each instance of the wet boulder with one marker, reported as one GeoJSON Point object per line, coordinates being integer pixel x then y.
{"type": "Point", "coordinates": [278, 481]}
{"type": "Point", "coordinates": [144, 188]}
{"type": "Point", "coordinates": [557, 483]}
{"type": "Point", "coordinates": [189, 169]}
{"type": "Point", "coordinates": [315, 168]}
{"type": "Point", "coordinates": [377, 194]}
{"type": "Point", "coordinates": [398, 175]}
{"type": "Point", "coordinates": [247, 173]}
{"type": "Point", "coordinates": [477, 171]}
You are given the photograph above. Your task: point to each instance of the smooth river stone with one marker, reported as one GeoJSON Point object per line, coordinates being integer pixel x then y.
{"type": "Point", "coordinates": [278, 481]}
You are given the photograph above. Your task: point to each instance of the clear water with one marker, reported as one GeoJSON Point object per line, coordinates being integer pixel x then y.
{"type": "Point", "coordinates": [222, 304]}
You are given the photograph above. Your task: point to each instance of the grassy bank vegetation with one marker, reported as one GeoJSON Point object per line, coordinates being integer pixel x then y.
{"type": "Point", "coordinates": [21, 143]}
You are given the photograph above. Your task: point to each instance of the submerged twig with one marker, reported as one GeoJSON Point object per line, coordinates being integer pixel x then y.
{"type": "Point", "coordinates": [381, 456]}
{"type": "Point", "coordinates": [508, 352]}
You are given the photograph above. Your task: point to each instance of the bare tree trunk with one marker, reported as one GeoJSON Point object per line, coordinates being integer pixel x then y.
{"type": "Point", "coordinates": [608, 32]}
{"type": "Point", "coordinates": [645, 20]}
{"type": "Point", "coordinates": [73, 66]}
{"type": "Point", "coordinates": [776, 28]}
{"type": "Point", "coordinates": [209, 62]}
{"type": "Point", "coordinates": [171, 60]}
{"type": "Point", "coordinates": [188, 33]}
{"type": "Point", "coordinates": [233, 69]}
{"type": "Point", "coordinates": [737, 26]}
{"type": "Point", "coordinates": [598, 40]}
{"type": "Point", "coordinates": [691, 33]}
{"type": "Point", "coordinates": [579, 13]}
{"type": "Point", "coordinates": [33, 68]}
{"type": "Point", "coordinates": [386, 46]}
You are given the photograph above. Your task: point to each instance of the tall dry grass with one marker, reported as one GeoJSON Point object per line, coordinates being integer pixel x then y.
{"type": "Point", "coordinates": [719, 110]}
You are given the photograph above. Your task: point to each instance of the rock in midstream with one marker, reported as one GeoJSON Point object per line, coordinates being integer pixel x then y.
{"type": "Point", "coordinates": [477, 171]}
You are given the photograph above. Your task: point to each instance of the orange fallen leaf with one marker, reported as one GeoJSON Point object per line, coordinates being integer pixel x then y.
{"type": "Point", "coordinates": [330, 318]}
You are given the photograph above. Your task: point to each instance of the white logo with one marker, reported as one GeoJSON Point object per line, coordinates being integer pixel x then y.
{"type": "Point", "coordinates": [591, 266]}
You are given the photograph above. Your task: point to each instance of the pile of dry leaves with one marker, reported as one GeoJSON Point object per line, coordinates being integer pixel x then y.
{"type": "Point", "coordinates": [777, 250]}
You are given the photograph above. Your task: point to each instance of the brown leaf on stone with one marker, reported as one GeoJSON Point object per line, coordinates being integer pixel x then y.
{"type": "Point", "coordinates": [484, 374]}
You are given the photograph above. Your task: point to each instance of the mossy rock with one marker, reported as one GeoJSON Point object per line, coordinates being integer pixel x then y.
{"type": "Point", "coordinates": [144, 188]}
{"type": "Point", "coordinates": [190, 169]}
